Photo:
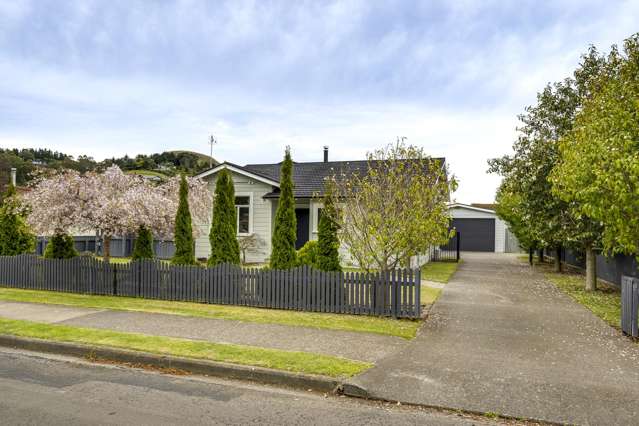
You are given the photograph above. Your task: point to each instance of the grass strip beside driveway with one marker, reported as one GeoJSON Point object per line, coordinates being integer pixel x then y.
{"type": "Point", "coordinates": [440, 272]}
{"type": "Point", "coordinates": [299, 362]}
{"type": "Point", "coordinates": [429, 295]}
{"type": "Point", "coordinates": [605, 302]}
{"type": "Point", "coordinates": [358, 323]}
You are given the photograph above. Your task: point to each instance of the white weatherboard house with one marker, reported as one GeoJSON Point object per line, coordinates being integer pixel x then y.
{"type": "Point", "coordinates": [257, 189]}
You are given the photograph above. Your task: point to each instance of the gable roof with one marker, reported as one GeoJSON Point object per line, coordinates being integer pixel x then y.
{"type": "Point", "coordinates": [486, 206]}
{"type": "Point", "coordinates": [307, 177]}
{"type": "Point", "coordinates": [470, 207]}
{"type": "Point", "coordinates": [241, 170]}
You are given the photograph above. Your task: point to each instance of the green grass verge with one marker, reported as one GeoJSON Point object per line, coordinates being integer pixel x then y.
{"type": "Point", "coordinates": [299, 362]}
{"type": "Point", "coordinates": [428, 295]}
{"type": "Point", "coordinates": [605, 302]}
{"type": "Point", "coordinates": [365, 324]}
{"type": "Point", "coordinates": [440, 272]}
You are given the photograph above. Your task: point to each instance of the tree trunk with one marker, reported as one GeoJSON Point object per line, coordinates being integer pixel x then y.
{"type": "Point", "coordinates": [558, 259]}
{"type": "Point", "coordinates": [540, 255]}
{"type": "Point", "coordinates": [530, 256]}
{"type": "Point", "coordinates": [107, 248]}
{"type": "Point", "coordinates": [591, 270]}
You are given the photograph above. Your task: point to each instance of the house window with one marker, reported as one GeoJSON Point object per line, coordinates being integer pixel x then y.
{"type": "Point", "coordinates": [316, 219]}
{"type": "Point", "coordinates": [243, 214]}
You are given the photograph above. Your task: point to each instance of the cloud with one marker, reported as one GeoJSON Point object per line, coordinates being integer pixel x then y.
{"type": "Point", "coordinates": [105, 79]}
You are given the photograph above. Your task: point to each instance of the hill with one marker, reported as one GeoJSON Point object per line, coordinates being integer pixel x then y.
{"type": "Point", "coordinates": [168, 163]}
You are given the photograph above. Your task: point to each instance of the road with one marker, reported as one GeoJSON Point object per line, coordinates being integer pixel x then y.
{"type": "Point", "coordinates": [43, 389]}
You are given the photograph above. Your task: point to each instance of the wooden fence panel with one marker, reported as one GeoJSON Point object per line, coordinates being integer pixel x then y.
{"type": "Point", "coordinates": [393, 293]}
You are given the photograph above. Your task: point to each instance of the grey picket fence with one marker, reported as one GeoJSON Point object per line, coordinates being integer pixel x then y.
{"type": "Point", "coordinates": [396, 293]}
{"type": "Point", "coordinates": [630, 305]}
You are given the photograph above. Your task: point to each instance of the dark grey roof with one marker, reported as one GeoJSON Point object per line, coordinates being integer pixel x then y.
{"type": "Point", "coordinates": [308, 178]}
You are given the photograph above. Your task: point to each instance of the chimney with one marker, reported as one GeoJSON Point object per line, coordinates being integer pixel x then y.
{"type": "Point", "coordinates": [13, 176]}
{"type": "Point", "coordinates": [326, 153]}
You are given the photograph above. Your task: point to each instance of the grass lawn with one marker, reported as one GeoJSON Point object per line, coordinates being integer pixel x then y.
{"type": "Point", "coordinates": [605, 302]}
{"type": "Point", "coordinates": [439, 271]}
{"type": "Point", "coordinates": [301, 362]}
{"type": "Point", "coordinates": [359, 323]}
{"type": "Point", "coordinates": [428, 295]}
{"type": "Point", "coordinates": [116, 259]}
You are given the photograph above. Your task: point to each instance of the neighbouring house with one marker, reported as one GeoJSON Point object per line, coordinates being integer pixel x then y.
{"type": "Point", "coordinates": [481, 229]}
{"type": "Point", "coordinates": [257, 195]}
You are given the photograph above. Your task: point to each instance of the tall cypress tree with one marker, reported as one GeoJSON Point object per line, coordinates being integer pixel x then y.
{"type": "Point", "coordinates": [184, 247]}
{"type": "Point", "coordinates": [223, 235]}
{"type": "Point", "coordinates": [15, 235]}
{"type": "Point", "coordinates": [143, 248]}
{"type": "Point", "coordinates": [283, 254]}
{"type": "Point", "coordinates": [328, 241]}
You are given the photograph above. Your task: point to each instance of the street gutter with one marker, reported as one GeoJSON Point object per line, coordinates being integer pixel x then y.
{"type": "Point", "coordinates": [188, 365]}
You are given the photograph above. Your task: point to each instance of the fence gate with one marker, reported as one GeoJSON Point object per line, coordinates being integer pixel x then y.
{"type": "Point", "coordinates": [448, 252]}
{"type": "Point", "coordinates": [629, 305]}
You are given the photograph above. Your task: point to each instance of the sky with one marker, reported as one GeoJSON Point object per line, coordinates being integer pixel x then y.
{"type": "Point", "coordinates": [108, 78]}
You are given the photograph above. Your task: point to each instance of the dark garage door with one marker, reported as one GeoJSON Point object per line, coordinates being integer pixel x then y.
{"type": "Point", "coordinates": [476, 234]}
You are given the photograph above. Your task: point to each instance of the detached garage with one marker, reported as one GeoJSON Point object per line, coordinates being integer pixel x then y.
{"type": "Point", "coordinates": [481, 229]}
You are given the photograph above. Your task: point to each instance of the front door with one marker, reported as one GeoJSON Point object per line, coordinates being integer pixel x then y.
{"type": "Point", "coordinates": [302, 216]}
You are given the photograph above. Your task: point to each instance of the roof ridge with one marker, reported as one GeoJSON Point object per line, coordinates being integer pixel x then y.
{"type": "Point", "coordinates": [326, 162]}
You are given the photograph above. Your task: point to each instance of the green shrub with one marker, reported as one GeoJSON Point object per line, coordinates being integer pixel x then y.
{"type": "Point", "coordinates": [223, 235]}
{"type": "Point", "coordinates": [60, 246]}
{"type": "Point", "coordinates": [15, 235]}
{"type": "Point", "coordinates": [184, 245]}
{"type": "Point", "coordinates": [143, 248]}
{"type": "Point", "coordinates": [307, 255]}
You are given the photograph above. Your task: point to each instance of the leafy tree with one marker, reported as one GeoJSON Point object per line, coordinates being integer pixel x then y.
{"type": "Point", "coordinates": [599, 171]}
{"type": "Point", "coordinates": [510, 209]}
{"type": "Point", "coordinates": [283, 254]}
{"type": "Point", "coordinates": [15, 235]}
{"type": "Point", "coordinates": [328, 241]}
{"type": "Point", "coordinates": [223, 235]}
{"type": "Point", "coordinates": [307, 254]}
{"type": "Point", "coordinates": [60, 246]}
{"type": "Point", "coordinates": [184, 245]}
{"type": "Point", "coordinates": [538, 216]}
{"type": "Point", "coordinates": [395, 209]}
{"type": "Point", "coordinates": [143, 248]}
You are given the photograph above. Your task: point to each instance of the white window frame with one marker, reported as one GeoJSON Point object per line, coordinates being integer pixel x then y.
{"type": "Point", "coordinates": [237, 214]}
{"type": "Point", "coordinates": [316, 208]}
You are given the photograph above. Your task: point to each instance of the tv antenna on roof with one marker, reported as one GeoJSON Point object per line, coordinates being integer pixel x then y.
{"type": "Point", "coordinates": [212, 141]}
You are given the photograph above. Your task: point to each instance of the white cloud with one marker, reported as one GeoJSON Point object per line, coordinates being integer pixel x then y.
{"type": "Point", "coordinates": [351, 75]}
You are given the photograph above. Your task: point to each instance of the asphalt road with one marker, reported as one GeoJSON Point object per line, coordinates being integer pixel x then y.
{"type": "Point", "coordinates": [42, 389]}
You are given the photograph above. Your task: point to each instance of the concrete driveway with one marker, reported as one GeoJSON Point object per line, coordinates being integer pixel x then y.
{"type": "Point", "coordinates": [501, 339]}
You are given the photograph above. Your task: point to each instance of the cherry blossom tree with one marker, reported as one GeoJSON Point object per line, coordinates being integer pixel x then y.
{"type": "Point", "coordinates": [112, 203]}
{"type": "Point", "coordinates": [51, 203]}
